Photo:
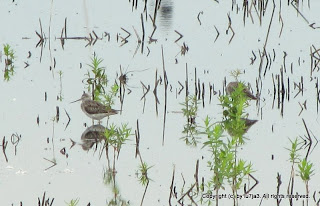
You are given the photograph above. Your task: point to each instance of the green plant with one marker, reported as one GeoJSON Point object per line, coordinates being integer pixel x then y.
{"type": "Point", "coordinates": [235, 73]}
{"type": "Point", "coordinates": [73, 202]}
{"type": "Point", "coordinates": [117, 136]}
{"type": "Point", "coordinates": [305, 172]}
{"type": "Point", "coordinates": [9, 62]}
{"type": "Point", "coordinates": [108, 99]}
{"type": "Point", "coordinates": [305, 167]}
{"type": "Point", "coordinates": [99, 81]}
{"type": "Point", "coordinates": [293, 151]}
{"type": "Point", "coordinates": [294, 159]}
{"type": "Point", "coordinates": [142, 174]}
{"type": "Point", "coordinates": [221, 155]}
{"type": "Point", "coordinates": [225, 163]}
{"type": "Point", "coordinates": [234, 106]}
{"type": "Point", "coordinates": [190, 109]}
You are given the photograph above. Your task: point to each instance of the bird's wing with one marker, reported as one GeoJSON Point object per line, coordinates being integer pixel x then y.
{"type": "Point", "coordinates": [93, 107]}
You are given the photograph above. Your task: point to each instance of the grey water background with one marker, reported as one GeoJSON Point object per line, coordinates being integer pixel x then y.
{"type": "Point", "coordinates": [80, 175]}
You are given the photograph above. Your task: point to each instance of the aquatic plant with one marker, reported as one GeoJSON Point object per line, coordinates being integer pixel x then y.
{"type": "Point", "coordinates": [142, 173]}
{"type": "Point", "coordinates": [100, 78]}
{"type": "Point", "coordinates": [73, 202]}
{"type": "Point", "coordinates": [190, 109]}
{"type": "Point", "coordinates": [305, 173]}
{"type": "Point", "coordinates": [293, 151]}
{"type": "Point", "coordinates": [108, 99]}
{"type": "Point", "coordinates": [98, 84]}
{"type": "Point", "coordinates": [305, 167]}
{"type": "Point", "coordinates": [234, 106]}
{"type": "Point", "coordinates": [305, 170]}
{"type": "Point", "coordinates": [222, 157]}
{"type": "Point", "coordinates": [117, 136]}
{"type": "Point", "coordinates": [9, 62]}
{"type": "Point", "coordinates": [99, 81]}
{"type": "Point", "coordinates": [225, 163]}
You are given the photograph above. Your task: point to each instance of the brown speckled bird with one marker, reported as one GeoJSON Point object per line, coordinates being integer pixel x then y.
{"type": "Point", "coordinates": [94, 109]}
{"type": "Point", "coordinates": [233, 85]}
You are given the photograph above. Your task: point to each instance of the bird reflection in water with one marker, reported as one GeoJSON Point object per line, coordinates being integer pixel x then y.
{"type": "Point", "coordinates": [92, 136]}
{"type": "Point", "coordinates": [164, 14]}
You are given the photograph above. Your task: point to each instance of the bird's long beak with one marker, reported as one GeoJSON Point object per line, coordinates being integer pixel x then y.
{"type": "Point", "coordinates": [76, 101]}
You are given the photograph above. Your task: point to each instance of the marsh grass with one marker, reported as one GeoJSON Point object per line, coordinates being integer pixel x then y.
{"type": "Point", "coordinates": [305, 167]}
{"type": "Point", "coordinates": [73, 202]}
{"type": "Point", "coordinates": [190, 129]}
{"type": "Point", "coordinates": [108, 99]}
{"type": "Point", "coordinates": [234, 115]}
{"type": "Point", "coordinates": [305, 173]}
{"type": "Point", "coordinates": [9, 62]}
{"type": "Point", "coordinates": [97, 83]}
{"type": "Point", "coordinates": [142, 173]}
{"type": "Point", "coordinates": [225, 163]}
{"type": "Point", "coordinates": [117, 136]}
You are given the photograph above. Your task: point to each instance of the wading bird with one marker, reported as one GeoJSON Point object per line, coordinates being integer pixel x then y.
{"type": "Point", "coordinates": [233, 85]}
{"type": "Point", "coordinates": [93, 109]}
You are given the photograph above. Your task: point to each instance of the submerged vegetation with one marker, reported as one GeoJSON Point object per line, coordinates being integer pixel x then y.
{"type": "Point", "coordinates": [109, 178]}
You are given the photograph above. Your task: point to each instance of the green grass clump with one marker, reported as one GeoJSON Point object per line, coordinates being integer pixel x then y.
{"type": "Point", "coordinates": [305, 167]}
{"type": "Point", "coordinates": [73, 202]}
{"type": "Point", "coordinates": [97, 83]}
{"type": "Point", "coordinates": [117, 136]}
{"type": "Point", "coordinates": [190, 129]}
{"type": "Point", "coordinates": [142, 173]}
{"type": "Point", "coordinates": [225, 164]}
{"type": "Point", "coordinates": [9, 62]}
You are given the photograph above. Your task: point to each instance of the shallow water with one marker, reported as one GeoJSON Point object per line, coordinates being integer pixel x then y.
{"type": "Point", "coordinates": [78, 173]}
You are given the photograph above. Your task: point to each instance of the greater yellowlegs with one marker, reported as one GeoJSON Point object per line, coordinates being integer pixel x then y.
{"type": "Point", "coordinates": [233, 85]}
{"type": "Point", "coordinates": [93, 109]}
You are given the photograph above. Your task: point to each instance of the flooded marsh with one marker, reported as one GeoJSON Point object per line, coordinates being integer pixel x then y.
{"type": "Point", "coordinates": [181, 102]}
